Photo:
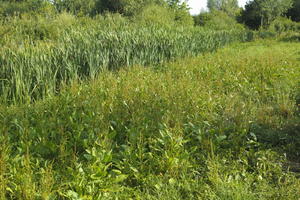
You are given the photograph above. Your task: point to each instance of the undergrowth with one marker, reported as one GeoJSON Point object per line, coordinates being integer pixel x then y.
{"type": "Point", "coordinates": [223, 125]}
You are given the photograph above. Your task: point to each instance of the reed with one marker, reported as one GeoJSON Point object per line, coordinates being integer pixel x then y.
{"type": "Point", "coordinates": [35, 69]}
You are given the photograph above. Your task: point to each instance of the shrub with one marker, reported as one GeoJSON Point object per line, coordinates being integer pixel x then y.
{"type": "Point", "coordinates": [283, 24]}
{"type": "Point", "coordinates": [12, 8]}
{"type": "Point", "coordinates": [290, 37]}
{"type": "Point", "coordinates": [76, 7]}
{"type": "Point", "coordinates": [163, 16]}
{"type": "Point", "coordinates": [218, 21]}
{"type": "Point", "coordinates": [154, 14]}
{"type": "Point", "coordinates": [183, 18]}
{"type": "Point", "coordinates": [34, 28]}
{"type": "Point", "coordinates": [202, 18]}
{"type": "Point", "coordinates": [265, 34]}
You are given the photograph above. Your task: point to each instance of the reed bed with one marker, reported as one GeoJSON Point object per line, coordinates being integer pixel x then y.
{"type": "Point", "coordinates": [34, 69]}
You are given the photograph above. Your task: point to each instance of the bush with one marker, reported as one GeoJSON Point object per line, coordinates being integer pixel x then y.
{"type": "Point", "coordinates": [163, 16]}
{"type": "Point", "coordinates": [217, 21]}
{"type": "Point", "coordinates": [283, 24]}
{"type": "Point", "coordinates": [265, 34]}
{"type": "Point", "coordinates": [155, 14]}
{"type": "Point", "coordinates": [34, 28]}
{"type": "Point", "coordinates": [76, 7]}
{"type": "Point", "coordinates": [32, 7]}
{"type": "Point", "coordinates": [183, 18]}
{"type": "Point", "coordinates": [290, 37]}
{"type": "Point", "coordinates": [202, 18]}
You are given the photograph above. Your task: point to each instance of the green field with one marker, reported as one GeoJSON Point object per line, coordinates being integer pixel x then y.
{"type": "Point", "coordinates": [223, 125]}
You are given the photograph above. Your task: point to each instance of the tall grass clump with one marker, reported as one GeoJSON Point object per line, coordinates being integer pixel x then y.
{"type": "Point", "coordinates": [36, 68]}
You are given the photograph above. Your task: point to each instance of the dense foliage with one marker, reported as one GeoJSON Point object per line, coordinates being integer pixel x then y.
{"type": "Point", "coordinates": [264, 12]}
{"type": "Point", "coordinates": [294, 12]}
{"type": "Point", "coordinates": [250, 16]}
{"type": "Point", "coordinates": [230, 7]}
{"type": "Point", "coordinates": [127, 99]}
{"type": "Point", "coordinates": [217, 20]}
{"type": "Point", "coordinates": [38, 66]}
{"type": "Point", "coordinates": [283, 25]}
{"type": "Point", "coordinates": [212, 127]}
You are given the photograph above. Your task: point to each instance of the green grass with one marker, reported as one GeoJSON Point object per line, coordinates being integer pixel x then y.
{"type": "Point", "coordinates": [223, 125]}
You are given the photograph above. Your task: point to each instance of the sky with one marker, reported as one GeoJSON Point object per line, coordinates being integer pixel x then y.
{"type": "Point", "coordinates": [197, 5]}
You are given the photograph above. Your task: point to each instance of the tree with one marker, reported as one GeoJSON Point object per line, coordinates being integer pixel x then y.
{"type": "Point", "coordinates": [202, 18]}
{"type": "Point", "coordinates": [85, 7]}
{"type": "Point", "coordinates": [93, 7]}
{"type": "Point", "coordinates": [181, 12]}
{"type": "Point", "coordinates": [270, 9]}
{"type": "Point", "coordinates": [124, 7]}
{"type": "Point", "coordinates": [294, 12]}
{"type": "Point", "coordinates": [177, 4]}
{"type": "Point", "coordinates": [230, 7]}
{"type": "Point", "coordinates": [217, 20]}
{"type": "Point", "coordinates": [19, 7]}
{"type": "Point", "coordinates": [251, 16]}
{"type": "Point", "coordinates": [214, 5]}
{"type": "Point", "coordinates": [262, 12]}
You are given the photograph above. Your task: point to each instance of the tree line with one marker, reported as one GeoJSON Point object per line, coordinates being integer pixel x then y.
{"type": "Point", "coordinates": [86, 7]}
{"type": "Point", "coordinates": [221, 13]}
{"type": "Point", "coordinates": [257, 13]}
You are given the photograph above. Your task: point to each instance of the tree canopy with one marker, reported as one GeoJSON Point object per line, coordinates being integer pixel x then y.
{"type": "Point", "coordinates": [228, 6]}
{"type": "Point", "coordinates": [250, 16]}
{"type": "Point", "coordinates": [257, 13]}
{"type": "Point", "coordinates": [270, 9]}
{"type": "Point", "coordinates": [294, 12]}
{"type": "Point", "coordinates": [262, 12]}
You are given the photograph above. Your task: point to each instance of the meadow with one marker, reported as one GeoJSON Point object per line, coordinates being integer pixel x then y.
{"type": "Point", "coordinates": [223, 124]}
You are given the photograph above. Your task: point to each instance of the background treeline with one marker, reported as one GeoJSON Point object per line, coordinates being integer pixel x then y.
{"type": "Point", "coordinates": [272, 15]}
{"type": "Point", "coordinates": [35, 20]}
{"type": "Point", "coordinates": [257, 14]}
{"type": "Point", "coordinates": [179, 11]}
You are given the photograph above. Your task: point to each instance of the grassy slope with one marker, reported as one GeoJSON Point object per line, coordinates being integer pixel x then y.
{"type": "Point", "coordinates": [212, 127]}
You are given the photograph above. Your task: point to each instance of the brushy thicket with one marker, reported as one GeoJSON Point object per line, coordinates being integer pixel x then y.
{"type": "Point", "coordinates": [217, 20]}
{"type": "Point", "coordinates": [212, 127]}
{"type": "Point", "coordinates": [52, 54]}
{"type": "Point", "coordinates": [283, 25]}
{"type": "Point", "coordinates": [286, 29]}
